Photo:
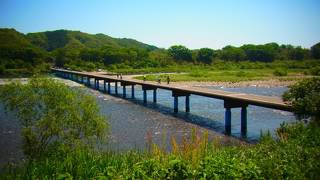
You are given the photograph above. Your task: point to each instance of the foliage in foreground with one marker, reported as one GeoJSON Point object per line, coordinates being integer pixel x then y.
{"type": "Point", "coordinates": [305, 98]}
{"type": "Point", "coordinates": [53, 115]}
{"type": "Point", "coordinates": [293, 155]}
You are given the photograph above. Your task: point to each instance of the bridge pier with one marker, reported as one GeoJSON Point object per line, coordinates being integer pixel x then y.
{"type": "Point", "coordinates": [188, 103]}
{"type": "Point", "coordinates": [116, 87]}
{"type": "Point", "coordinates": [132, 91]}
{"type": "Point", "coordinates": [228, 104]}
{"type": "Point", "coordinates": [97, 84]}
{"type": "Point", "coordinates": [228, 121]}
{"type": "Point", "coordinates": [145, 89]}
{"type": "Point", "coordinates": [124, 84]}
{"type": "Point", "coordinates": [124, 92]}
{"type": "Point", "coordinates": [104, 86]}
{"type": "Point", "coordinates": [144, 96]}
{"type": "Point", "coordinates": [175, 104]}
{"type": "Point", "coordinates": [82, 79]}
{"type": "Point", "coordinates": [177, 94]}
{"type": "Point", "coordinates": [88, 81]}
{"type": "Point", "coordinates": [244, 120]}
{"type": "Point", "coordinates": [109, 88]}
{"type": "Point", "coordinates": [155, 95]}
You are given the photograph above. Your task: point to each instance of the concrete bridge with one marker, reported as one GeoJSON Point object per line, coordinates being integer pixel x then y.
{"type": "Point", "coordinates": [231, 100]}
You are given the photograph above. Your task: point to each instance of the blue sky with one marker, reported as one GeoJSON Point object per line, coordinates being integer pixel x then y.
{"type": "Point", "coordinates": [193, 23]}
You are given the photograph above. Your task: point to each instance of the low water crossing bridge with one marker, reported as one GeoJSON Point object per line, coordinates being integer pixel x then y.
{"type": "Point", "coordinates": [231, 99]}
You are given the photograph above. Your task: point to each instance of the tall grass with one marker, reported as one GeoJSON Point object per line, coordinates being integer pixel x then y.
{"type": "Point", "coordinates": [294, 154]}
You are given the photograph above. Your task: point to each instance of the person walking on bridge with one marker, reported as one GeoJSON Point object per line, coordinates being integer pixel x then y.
{"type": "Point", "coordinates": [168, 79]}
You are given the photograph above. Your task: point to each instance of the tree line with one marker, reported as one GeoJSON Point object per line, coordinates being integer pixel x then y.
{"type": "Point", "coordinates": [62, 48]}
{"type": "Point", "coordinates": [179, 54]}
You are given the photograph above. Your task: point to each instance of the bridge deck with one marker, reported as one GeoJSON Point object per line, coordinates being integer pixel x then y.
{"type": "Point", "coordinates": [249, 99]}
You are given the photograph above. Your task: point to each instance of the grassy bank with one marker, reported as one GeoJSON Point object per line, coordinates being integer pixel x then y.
{"type": "Point", "coordinates": [231, 71]}
{"type": "Point", "coordinates": [294, 155]}
{"type": "Point", "coordinates": [228, 75]}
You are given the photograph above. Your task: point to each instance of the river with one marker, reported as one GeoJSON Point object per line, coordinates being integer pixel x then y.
{"type": "Point", "coordinates": [133, 124]}
{"type": "Point", "coordinates": [131, 120]}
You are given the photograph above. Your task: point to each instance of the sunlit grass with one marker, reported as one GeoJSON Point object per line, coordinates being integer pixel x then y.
{"type": "Point", "coordinates": [293, 155]}
{"type": "Point", "coordinates": [225, 75]}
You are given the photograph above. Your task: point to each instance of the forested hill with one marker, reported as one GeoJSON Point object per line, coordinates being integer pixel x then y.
{"type": "Point", "coordinates": [33, 52]}
{"type": "Point", "coordinates": [52, 40]}
{"type": "Point", "coordinates": [36, 51]}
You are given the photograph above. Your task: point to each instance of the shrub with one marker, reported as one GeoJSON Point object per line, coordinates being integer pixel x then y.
{"type": "Point", "coordinates": [53, 115]}
{"type": "Point", "coordinates": [305, 98]}
{"type": "Point", "coordinates": [315, 71]}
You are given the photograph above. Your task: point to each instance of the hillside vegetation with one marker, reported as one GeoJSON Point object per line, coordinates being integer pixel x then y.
{"type": "Point", "coordinates": [36, 52]}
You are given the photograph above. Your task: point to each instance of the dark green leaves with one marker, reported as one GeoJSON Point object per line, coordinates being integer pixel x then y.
{"type": "Point", "coordinates": [305, 98]}
{"type": "Point", "coordinates": [53, 114]}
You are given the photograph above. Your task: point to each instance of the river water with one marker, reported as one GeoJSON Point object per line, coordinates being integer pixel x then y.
{"type": "Point", "coordinates": [133, 124]}
{"type": "Point", "coordinates": [131, 119]}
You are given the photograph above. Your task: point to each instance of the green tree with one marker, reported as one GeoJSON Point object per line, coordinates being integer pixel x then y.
{"type": "Point", "coordinates": [92, 55]}
{"type": "Point", "coordinates": [179, 52]}
{"type": "Point", "coordinates": [305, 98]}
{"type": "Point", "coordinates": [53, 115]}
{"type": "Point", "coordinates": [315, 51]}
{"type": "Point", "coordinates": [297, 53]}
{"type": "Point", "coordinates": [231, 53]}
{"type": "Point", "coordinates": [61, 58]}
{"type": "Point", "coordinates": [265, 53]}
{"type": "Point", "coordinates": [205, 55]}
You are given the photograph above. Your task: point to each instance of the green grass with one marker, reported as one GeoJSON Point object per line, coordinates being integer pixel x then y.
{"type": "Point", "coordinates": [229, 71]}
{"type": "Point", "coordinates": [294, 154]}
{"type": "Point", "coordinates": [225, 75]}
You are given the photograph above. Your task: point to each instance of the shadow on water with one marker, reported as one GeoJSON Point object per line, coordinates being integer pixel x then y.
{"type": "Point", "coordinates": [189, 117]}
{"type": "Point", "coordinates": [207, 112]}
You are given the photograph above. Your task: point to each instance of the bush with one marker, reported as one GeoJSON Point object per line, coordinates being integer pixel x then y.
{"type": "Point", "coordinates": [305, 98]}
{"type": "Point", "coordinates": [315, 71]}
{"type": "Point", "coordinates": [280, 72]}
{"type": "Point", "coordinates": [53, 115]}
